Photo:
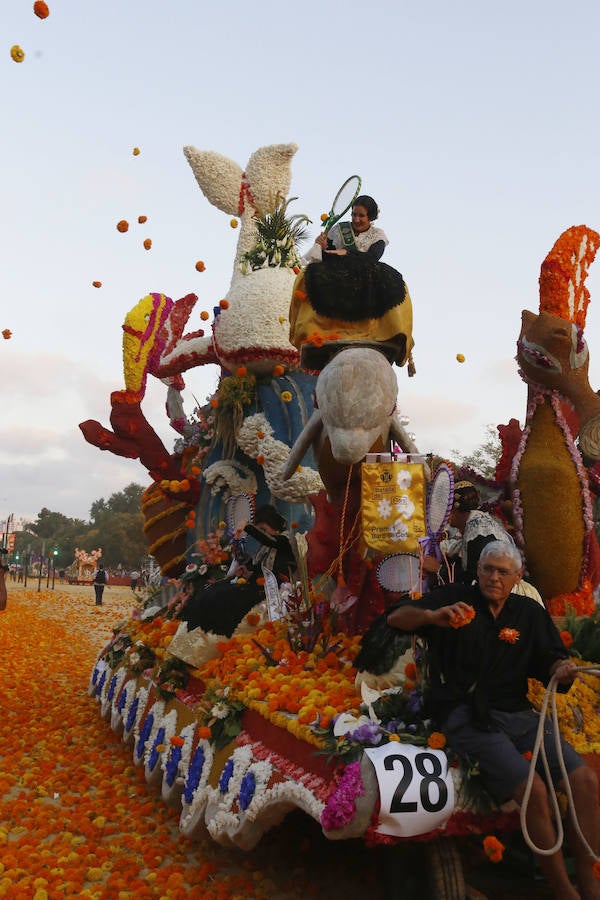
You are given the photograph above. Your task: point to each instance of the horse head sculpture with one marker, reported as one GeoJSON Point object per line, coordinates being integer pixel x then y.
{"type": "Point", "coordinates": [355, 413]}
{"type": "Point", "coordinates": [551, 350]}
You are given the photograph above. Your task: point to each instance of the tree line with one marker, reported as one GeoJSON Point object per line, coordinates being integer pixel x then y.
{"type": "Point", "coordinates": [115, 526]}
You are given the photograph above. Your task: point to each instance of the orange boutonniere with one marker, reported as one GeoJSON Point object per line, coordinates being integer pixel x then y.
{"type": "Point", "coordinates": [460, 620]}
{"type": "Point", "coordinates": [493, 848]}
{"type": "Point", "coordinates": [510, 635]}
{"type": "Point", "coordinates": [436, 740]}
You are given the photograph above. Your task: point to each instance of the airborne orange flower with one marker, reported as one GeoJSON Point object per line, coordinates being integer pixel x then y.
{"type": "Point", "coordinates": [204, 732]}
{"type": "Point", "coordinates": [41, 9]}
{"type": "Point", "coordinates": [200, 267]}
{"type": "Point", "coordinates": [510, 635]}
{"type": "Point", "coordinates": [147, 244]}
{"type": "Point", "coordinates": [142, 219]}
{"type": "Point", "coordinates": [97, 284]}
{"type": "Point", "coordinates": [224, 304]}
{"type": "Point", "coordinates": [123, 226]}
{"type": "Point", "coordinates": [7, 334]}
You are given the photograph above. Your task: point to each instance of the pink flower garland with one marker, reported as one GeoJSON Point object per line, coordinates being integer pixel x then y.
{"type": "Point", "coordinates": [341, 805]}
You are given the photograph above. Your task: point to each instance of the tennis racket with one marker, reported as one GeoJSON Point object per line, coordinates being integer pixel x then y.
{"type": "Point", "coordinates": [342, 201]}
{"type": "Point", "coordinates": [399, 573]}
{"type": "Point", "coordinates": [439, 507]}
{"type": "Point", "coordinates": [239, 510]}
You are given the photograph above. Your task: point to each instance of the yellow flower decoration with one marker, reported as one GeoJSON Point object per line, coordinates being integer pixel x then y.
{"type": "Point", "coordinates": [17, 54]}
{"type": "Point", "coordinates": [136, 151]}
{"type": "Point", "coordinates": [234, 223]}
{"type": "Point", "coordinates": [286, 396]}
{"type": "Point", "coordinates": [460, 357]}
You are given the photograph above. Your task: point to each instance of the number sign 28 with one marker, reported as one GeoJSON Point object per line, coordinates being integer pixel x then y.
{"type": "Point", "coordinates": [415, 788]}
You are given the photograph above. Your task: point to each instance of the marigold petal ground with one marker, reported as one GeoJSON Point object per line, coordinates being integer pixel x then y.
{"type": "Point", "coordinates": [76, 816]}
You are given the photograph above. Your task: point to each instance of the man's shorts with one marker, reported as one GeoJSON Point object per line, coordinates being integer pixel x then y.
{"type": "Point", "coordinates": [499, 754]}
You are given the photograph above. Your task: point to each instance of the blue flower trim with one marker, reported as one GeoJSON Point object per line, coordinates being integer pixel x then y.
{"type": "Point", "coordinates": [226, 776]}
{"type": "Point", "coordinates": [122, 700]}
{"type": "Point", "coordinates": [111, 689]}
{"type": "Point", "coordinates": [132, 714]}
{"type": "Point", "coordinates": [247, 789]}
{"type": "Point", "coordinates": [154, 753]}
{"type": "Point", "coordinates": [100, 684]}
{"type": "Point", "coordinates": [144, 734]}
{"type": "Point", "coordinates": [194, 774]}
{"type": "Point", "coordinates": [172, 766]}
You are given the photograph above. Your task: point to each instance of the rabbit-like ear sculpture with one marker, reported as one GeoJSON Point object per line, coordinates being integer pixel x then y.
{"type": "Point", "coordinates": [219, 178]}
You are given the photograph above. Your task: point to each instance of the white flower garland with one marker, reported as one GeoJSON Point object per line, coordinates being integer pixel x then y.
{"type": "Point", "coordinates": [223, 475]}
{"type": "Point", "coordinates": [297, 488]}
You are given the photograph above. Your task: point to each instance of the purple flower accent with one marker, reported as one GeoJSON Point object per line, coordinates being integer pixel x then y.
{"type": "Point", "coordinates": [100, 683]}
{"type": "Point", "coordinates": [132, 714]}
{"type": "Point", "coordinates": [172, 766]}
{"type": "Point", "coordinates": [122, 700]}
{"type": "Point", "coordinates": [194, 774]}
{"type": "Point", "coordinates": [111, 688]}
{"type": "Point", "coordinates": [226, 776]}
{"type": "Point", "coordinates": [368, 733]}
{"type": "Point", "coordinates": [341, 805]}
{"type": "Point", "coordinates": [247, 789]}
{"type": "Point", "coordinates": [415, 702]}
{"type": "Point", "coordinates": [144, 733]}
{"type": "Point", "coordinates": [154, 753]}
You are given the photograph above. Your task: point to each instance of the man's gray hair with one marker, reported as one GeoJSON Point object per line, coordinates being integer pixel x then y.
{"type": "Point", "coordinates": [502, 548]}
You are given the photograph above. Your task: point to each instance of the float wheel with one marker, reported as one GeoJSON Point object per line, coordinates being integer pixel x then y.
{"type": "Point", "coordinates": [446, 877]}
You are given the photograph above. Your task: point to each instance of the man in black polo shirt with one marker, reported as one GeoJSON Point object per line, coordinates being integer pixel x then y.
{"type": "Point", "coordinates": [484, 643]}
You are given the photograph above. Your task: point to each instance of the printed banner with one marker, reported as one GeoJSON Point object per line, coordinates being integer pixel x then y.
{"type": "Point", "coordinates": [393, 506]}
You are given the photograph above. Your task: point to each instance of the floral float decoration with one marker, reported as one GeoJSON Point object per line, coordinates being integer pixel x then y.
{"type": "Point", "coordinates": [558, 539]}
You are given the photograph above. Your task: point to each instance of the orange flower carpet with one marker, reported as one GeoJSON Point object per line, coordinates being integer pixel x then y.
{"type": "Point", "coordinates": [77, 817]}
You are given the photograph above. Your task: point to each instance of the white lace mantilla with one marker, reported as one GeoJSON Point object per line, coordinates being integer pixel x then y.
{"type": "Point", "coordinates": [482, 524]}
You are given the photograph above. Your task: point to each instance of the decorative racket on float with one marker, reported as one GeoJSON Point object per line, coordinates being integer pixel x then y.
{"type": "Point", "coordinates": [239, 510]}
{"type": "Point", "coordinates": [342, 201]}
{"type": "Point", "coordinates": [399, 573]}
{"type": "Point", "coordinates": [438, 508]}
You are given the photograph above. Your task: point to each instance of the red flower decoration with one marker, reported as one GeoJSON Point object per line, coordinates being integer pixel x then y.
{"type": "Point", "coordinates": [510, 635]}
{"type": "Point", "coordinates": [566, 637]}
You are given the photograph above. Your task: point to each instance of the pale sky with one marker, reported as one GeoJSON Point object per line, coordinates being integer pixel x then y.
{"type": "Point", "coordinates": [472, 124]}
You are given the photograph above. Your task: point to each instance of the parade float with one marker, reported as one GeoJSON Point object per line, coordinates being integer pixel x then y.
{"type": "Point", "coordinates": [239, 724]}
